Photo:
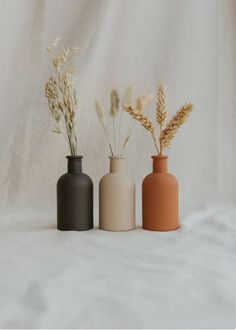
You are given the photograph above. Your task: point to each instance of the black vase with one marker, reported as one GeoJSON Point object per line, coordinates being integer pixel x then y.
{"type": "Point", "coordinates": [74, 198]}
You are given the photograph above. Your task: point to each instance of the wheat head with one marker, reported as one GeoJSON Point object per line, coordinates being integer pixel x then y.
{"type": "Point", "coordinates": [174, 124]}
{"type": "Point", "coordinates": [144, 121]}
{"type": "Point", "coordinates": [161, 109]}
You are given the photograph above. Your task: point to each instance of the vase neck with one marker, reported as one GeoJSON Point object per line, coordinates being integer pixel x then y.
{"type": "Point", "coordinates": [74, 164]}
{"type": "Point", "coordinates": [117, 164]}
{"type": "Point", "coordinates": [160, 164]}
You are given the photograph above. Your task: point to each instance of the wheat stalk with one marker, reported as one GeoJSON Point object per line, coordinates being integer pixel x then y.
{"type": "Point", "coordinates": [144, 121]}
{"type": "Point", "coordinates": [167, 134]}
{"type": "Point", "coordinates": [141, 102]}
{"type": "Point", "coordinates": [141, 118]}
{"type": "Point", "coordinates": [174, 124]}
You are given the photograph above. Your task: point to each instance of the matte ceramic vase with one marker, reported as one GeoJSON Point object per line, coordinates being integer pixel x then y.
{"type": "Point", "coordinates": [74, 198]}
{"type": "Point", "coordinates": [160, 198]}
{"type": "Point", "coordinates": [117, 198]}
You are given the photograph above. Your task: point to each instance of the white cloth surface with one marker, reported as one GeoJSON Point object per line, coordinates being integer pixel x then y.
{"type": "Point", "coordinates": [135, 279]}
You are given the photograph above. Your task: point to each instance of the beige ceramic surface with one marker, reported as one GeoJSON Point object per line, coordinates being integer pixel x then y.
{"type": "Point", "coordinates": [160, 198]}
{"type": "Point", "coordinates": [117, 198]}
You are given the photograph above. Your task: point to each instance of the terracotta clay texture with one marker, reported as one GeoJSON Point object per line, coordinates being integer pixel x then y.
{"type": "Point", "coordinates": [160, 198]}
{"type": "Point", "coordinates": [117, 198]}
{"type": "Point", "coordinates": [74, 198]}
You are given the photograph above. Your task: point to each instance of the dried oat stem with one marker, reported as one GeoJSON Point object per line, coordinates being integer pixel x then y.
{"type": "Point", "coordinates": [61, 95]}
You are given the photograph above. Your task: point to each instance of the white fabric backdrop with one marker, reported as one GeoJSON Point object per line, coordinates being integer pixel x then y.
{"type": "Point", "coordinates": [188, 45]}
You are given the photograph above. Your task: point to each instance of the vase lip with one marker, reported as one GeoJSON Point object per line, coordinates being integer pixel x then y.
{"type": "Point", "coordinates": [159, 157]}
{"type": "Point", "coordinates": [117, 157]}
{"type": "Point", "coordinates": [74, 157]}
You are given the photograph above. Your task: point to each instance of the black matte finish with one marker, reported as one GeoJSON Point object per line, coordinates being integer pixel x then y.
{"type": "Point", "coordinates": [74, 198]}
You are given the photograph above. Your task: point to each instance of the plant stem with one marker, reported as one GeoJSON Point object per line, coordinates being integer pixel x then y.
{"type": "Point", "coordinates": [119, 129]}
{"type": "Point", "coordinates": [74, 141]}
{"type": "Point", "coordinates": [155, 142]}
{"type": "Point", "coordinates": [66, 132]}
{"type": "Point", "coordinates": [105, 131]}
{"type": "Point", "coordinates": [114, 133]}
{"type": "Point", "coordinates": [64, 135]}
{"type": "Point", "coordinates": [69, 137]}
{"type": "Point", "coordinates": [131, 126]}
{"type": "Point", "coordinates": [160, 139]}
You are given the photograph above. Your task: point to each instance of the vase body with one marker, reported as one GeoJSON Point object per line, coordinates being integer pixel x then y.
{"type": "Point", "coordinates": [117, 198]}
{"type": "Point", "coordinates": [160, 198]}
{"type": "Point", "coordinates": [74, 198]}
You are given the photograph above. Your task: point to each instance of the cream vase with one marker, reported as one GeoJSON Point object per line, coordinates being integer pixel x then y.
{"type": "Point", "coordinates": [117, 198]}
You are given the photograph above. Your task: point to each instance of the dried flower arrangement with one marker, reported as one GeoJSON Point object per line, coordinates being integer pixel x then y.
{"type": "Point", "coordinates": [168, 132]}
{"type": "Point", "coordinates": [117, 145]}
{"type": "Point", "coordinates": [61, 95]}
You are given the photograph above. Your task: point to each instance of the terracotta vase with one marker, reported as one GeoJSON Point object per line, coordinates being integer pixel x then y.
{"type": "Point", "coordinates": [74, 198]}
{"type": "Point", "coordinates": [160, 198]}
{"type": "Point", "coordinates": [117, 198]}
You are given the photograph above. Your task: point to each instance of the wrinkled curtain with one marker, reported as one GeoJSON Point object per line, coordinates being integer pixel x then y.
{"type": "Point", "coordinates": [188, 45]}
